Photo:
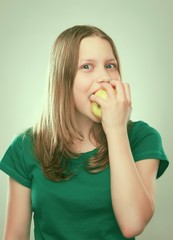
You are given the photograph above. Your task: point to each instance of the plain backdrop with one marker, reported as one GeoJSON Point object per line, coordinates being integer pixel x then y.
{"type": "Point", "coordinates": [143, 33]}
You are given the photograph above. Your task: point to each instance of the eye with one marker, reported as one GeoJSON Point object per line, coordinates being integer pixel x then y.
{"type": "Point", "coordinates": [111, 65]}
{"type": "Point", "coordinates": [87, 66]}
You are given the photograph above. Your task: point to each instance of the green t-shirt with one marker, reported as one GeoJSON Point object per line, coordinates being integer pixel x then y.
{"type": "Point", "coordinates": [79, 208]}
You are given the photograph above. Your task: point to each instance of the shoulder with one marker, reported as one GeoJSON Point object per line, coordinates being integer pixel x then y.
{"type": "Point", "coordinates": [138, 127]}
{"type": "Point", "coordinates": [146, 143]}
{"type": "Point", "coordinates": [140, 130]}
{"type": "Point", "coordinates": [20, 151]}
{"type": "Point", "coordinates": [141, 133]}
{"type": "Point", "coordinates": [23, 139]}
{"type": "Point", "coordinates": [19, 160]}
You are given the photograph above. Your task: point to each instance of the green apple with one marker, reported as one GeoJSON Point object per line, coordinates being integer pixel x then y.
{"type": "Point", "coordinates": [95, 108]}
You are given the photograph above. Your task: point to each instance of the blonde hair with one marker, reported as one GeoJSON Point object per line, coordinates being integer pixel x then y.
{"type": "Point", "coordinates": [56, 131]}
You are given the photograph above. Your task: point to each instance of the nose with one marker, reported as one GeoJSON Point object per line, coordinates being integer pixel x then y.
{"type": "Point", "coordinates": [103, 76]}
{"type": "Point", "coordinates": [104, 79]}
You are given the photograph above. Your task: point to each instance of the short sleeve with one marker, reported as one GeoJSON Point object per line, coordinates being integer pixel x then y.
{"type": "Point", "coordinates": [14, 164]}
{"type": "Point", "coordinates": [146, 143]}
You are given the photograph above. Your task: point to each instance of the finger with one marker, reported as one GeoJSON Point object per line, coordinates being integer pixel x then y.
{"type": "Point", "coordinates": [97, 99]}
{"type": "Point", "coordinates": [109, 88]}
{"type": "Point", "coordinates": [128, 93]}
{"type": "Point", "coordinates": [120, 91]}
{"type": "Point", "coordinates": [113, 81]}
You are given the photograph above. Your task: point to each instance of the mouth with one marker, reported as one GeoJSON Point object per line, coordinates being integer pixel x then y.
{"type": "Point", "coordinates": [96, 91]}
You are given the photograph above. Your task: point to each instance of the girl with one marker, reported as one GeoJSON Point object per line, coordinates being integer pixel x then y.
{"type": "Point", "coordinates": [83, 176]}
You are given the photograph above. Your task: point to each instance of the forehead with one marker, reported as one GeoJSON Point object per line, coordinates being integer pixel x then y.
{"type": "Point", "coordinates": [96, 47]}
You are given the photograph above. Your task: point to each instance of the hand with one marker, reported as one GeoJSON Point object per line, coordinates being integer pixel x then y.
{"type": "Point", "coordinates": [116, 109]}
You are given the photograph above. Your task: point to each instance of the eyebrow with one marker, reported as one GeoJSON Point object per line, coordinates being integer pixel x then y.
{"type": "Point", "coordinates": [111, 59]}
{"type": "Point", "coordinates": [92, 60]}
{"type": "Point", "coordinates": [87, 60]}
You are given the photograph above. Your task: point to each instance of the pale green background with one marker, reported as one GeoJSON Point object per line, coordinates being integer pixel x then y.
{"type": "Point", "coordinates": [143, 33]}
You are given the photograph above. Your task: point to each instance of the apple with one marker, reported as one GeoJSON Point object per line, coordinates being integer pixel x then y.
{"type": "Point", "coordinates": [95, 107]}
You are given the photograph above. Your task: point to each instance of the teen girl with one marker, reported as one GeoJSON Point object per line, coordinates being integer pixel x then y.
{"type": "Point", "coordinates": [81, 176]}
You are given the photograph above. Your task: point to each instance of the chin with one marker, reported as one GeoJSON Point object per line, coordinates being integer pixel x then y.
{"type": "Point", "coordinates": [95, 119]}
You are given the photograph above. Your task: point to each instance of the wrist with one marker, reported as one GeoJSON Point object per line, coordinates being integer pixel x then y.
{"type": "Point", "coordinates": [116, 131]}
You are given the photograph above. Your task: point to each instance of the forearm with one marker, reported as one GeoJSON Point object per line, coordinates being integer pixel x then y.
{"type": "Point", "coordinates": [131, 202]}
{"type": "Point", "coordinates": [19, 212]}
{"type": "Point", "coordinates": [15, 231]}
{"type": "Point", "coordinates": [16, 237]}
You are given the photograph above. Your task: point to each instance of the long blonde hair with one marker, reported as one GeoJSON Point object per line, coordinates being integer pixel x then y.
{"type": "Point", "coordinates": [56, 131]}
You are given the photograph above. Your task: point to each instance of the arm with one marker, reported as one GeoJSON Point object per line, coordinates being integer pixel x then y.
{"type": "Point", "coordinates": [19, 212]}
{"type": "Point", "coordinates": [132, 185]}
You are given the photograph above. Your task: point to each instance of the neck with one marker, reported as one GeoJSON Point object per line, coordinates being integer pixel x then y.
{"type": "Point", "coordinates": [88, 143]}
{"type": "Point", "coordinates": [84, 124]}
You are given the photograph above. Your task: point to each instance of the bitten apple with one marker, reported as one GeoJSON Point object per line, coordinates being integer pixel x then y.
{"type": "Point", "coordinates": [95, 107]}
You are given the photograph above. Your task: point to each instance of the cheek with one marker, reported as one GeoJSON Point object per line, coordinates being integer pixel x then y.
{"type": "Point", "coordinates": [81, 84]}
{"type": "Point", "coordinates": [115, 75]}
{"type": "Point", "coordinates": [80, 93]}
{"type": "Point", "coordinates": [77, 91]}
